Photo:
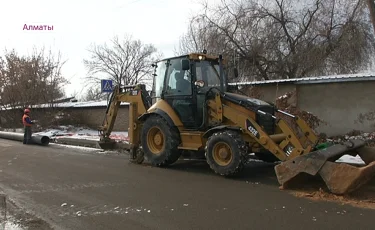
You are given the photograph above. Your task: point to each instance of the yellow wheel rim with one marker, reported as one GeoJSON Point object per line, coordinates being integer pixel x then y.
{"type": "Point", "coordinates": [155, 140]}
{"type": "Point", "coordinates": [222, 154]}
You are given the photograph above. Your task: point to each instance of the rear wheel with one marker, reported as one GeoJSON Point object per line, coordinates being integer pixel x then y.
{"type": "Point", "coordinates": [160, 141]}
{"type": "Point", "coordinates": [226, 153]}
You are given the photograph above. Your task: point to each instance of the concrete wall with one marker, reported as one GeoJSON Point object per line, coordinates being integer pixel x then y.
{"type": "Point", "coordinates": [338, 104]}
{"type": "Point", "coordinates": [270, 92]}
{"type": "Point", "coordinates": [94, 117]}
{"type": "Point", "coordinates": [88, 116]}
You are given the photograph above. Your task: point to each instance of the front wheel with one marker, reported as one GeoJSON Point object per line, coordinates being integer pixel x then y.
{"type": "Point", "coordinates": [226, 153]}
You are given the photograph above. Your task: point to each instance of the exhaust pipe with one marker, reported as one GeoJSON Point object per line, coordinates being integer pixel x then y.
{"type": "Point", "coordinates": [35, 139]}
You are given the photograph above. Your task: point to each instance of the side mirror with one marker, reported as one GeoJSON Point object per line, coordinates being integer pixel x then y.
{"type": "Point", "coordinates": [199, 83]}
{"type": "Point", "coordinates": [235, 71]}
{"type": "Point", "coordinates": [185, 64]}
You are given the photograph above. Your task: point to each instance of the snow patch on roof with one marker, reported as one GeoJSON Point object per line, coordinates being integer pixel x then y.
{"type": "Point", "coordinates": [102, 103]}
{"type": "Point", "coordinates": [331, 78]}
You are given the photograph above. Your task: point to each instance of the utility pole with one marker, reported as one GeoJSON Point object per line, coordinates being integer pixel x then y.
{"type": "Point", "coordinates": [371, 6]}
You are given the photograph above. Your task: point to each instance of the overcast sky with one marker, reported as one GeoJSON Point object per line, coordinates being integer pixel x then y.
{"type": "Point", "coordinates": [79, 23]}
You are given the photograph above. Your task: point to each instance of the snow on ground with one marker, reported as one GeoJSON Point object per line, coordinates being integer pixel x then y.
{"type": "Point", "coordinates": [11, 226]}
{"type": "Point", "coordinates": [75, 147]}
{"type": "Point", "coordinates": [11, 223]}
{"type": "Point", "coordinates": [80, 133]}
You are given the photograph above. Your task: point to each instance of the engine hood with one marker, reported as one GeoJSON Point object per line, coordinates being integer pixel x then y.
{"type": "Point", "coordinates": [266, 122]}
{"type": "Point", "coordinates": [245, 99]}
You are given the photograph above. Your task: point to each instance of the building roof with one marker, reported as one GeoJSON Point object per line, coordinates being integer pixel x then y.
{"type": "Point", "coordinates": [81, 104]}
{"type": "Point", "coordinates": [315, 80]}
{"type": "Point", "coordinates": [64, 99]}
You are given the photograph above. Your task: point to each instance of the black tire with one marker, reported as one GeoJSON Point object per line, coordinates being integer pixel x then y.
{"type": "Point", "coordinates": [168, 152]}
{"type": "Point", "coordinates": [238, 152]}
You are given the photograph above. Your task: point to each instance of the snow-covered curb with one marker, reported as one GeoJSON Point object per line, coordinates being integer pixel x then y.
{"type": "Point", "coordinates": [80, 133]}
{"type": "Point", "coordinates": [76, 133]}
{"type": "Point", "coordinates": [76, 147]}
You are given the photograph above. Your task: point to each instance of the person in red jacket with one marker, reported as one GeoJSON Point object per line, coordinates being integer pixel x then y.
{"type": "Point", "coordinates": [27, 123]}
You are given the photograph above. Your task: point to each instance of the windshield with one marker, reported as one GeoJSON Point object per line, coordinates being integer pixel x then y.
{"type": "Point", "coordinates": [208, 71]}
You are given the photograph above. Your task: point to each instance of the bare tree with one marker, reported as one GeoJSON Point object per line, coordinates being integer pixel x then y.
{"type": "Point", "coordinates": [126, 62]}
{"type": "Point", "coordinates": [94, 94]}
{"type": "Point", "coordinates": [273, 39]}
{"type": "Point", "coordinates": [200, 35]}
{"type": "Point", "coordinates": [30, 80]}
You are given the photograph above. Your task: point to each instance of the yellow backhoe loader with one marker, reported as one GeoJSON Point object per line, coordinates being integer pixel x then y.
{"type": "Point", "coordinates": [190, 109]}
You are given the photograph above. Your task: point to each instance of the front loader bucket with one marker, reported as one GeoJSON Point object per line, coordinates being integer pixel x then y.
{"type": "Point", "coordinates": [340, 178]}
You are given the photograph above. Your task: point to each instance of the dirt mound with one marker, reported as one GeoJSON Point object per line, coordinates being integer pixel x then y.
{"type": "Point", "coordinates": [363, 198]}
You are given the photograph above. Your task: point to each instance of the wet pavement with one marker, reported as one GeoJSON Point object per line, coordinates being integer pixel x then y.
{"type": "Point", "coordinates": [55, 187]}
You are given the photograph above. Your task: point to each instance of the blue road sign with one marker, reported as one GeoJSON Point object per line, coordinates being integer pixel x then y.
{"type": "Point", "coordinates": [107, 86]}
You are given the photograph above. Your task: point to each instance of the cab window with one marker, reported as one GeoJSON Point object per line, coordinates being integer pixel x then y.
{"type": "Point", "coordinates": [178, 81]}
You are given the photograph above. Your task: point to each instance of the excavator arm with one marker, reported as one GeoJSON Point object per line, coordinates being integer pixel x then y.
{"type": "Point", "coordinates": [139, 102]}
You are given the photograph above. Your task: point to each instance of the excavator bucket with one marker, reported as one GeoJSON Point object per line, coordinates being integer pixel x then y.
{"type": "Point", "coordinates": [340, 178]}
{"type": "Point", "coordinates": [107, 145]}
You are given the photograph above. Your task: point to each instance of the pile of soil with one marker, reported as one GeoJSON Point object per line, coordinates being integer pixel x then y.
{"type": "Point", "coordinates": [363, 198]}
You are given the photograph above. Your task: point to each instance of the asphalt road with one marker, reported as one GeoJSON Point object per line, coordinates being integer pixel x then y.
{"type": "Point", "coordinates": [77, 189]}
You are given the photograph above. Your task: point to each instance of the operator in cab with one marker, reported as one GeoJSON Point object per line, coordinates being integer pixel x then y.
{"type": "Point", "coordinates": [27, 124]}
{"type": "Point", "coordinates": [182, 85]}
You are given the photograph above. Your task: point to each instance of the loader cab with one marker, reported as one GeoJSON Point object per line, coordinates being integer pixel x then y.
{"type": "Point", "coordinates": [183, 82]}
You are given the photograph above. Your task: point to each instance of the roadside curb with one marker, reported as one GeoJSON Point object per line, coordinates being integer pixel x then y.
{"type": "Point", "coordinates": [87, 143]}
{"type": "Point", "coordinates": [119, 145]}
{"type": "Point", "coordinates": [76, 142]}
